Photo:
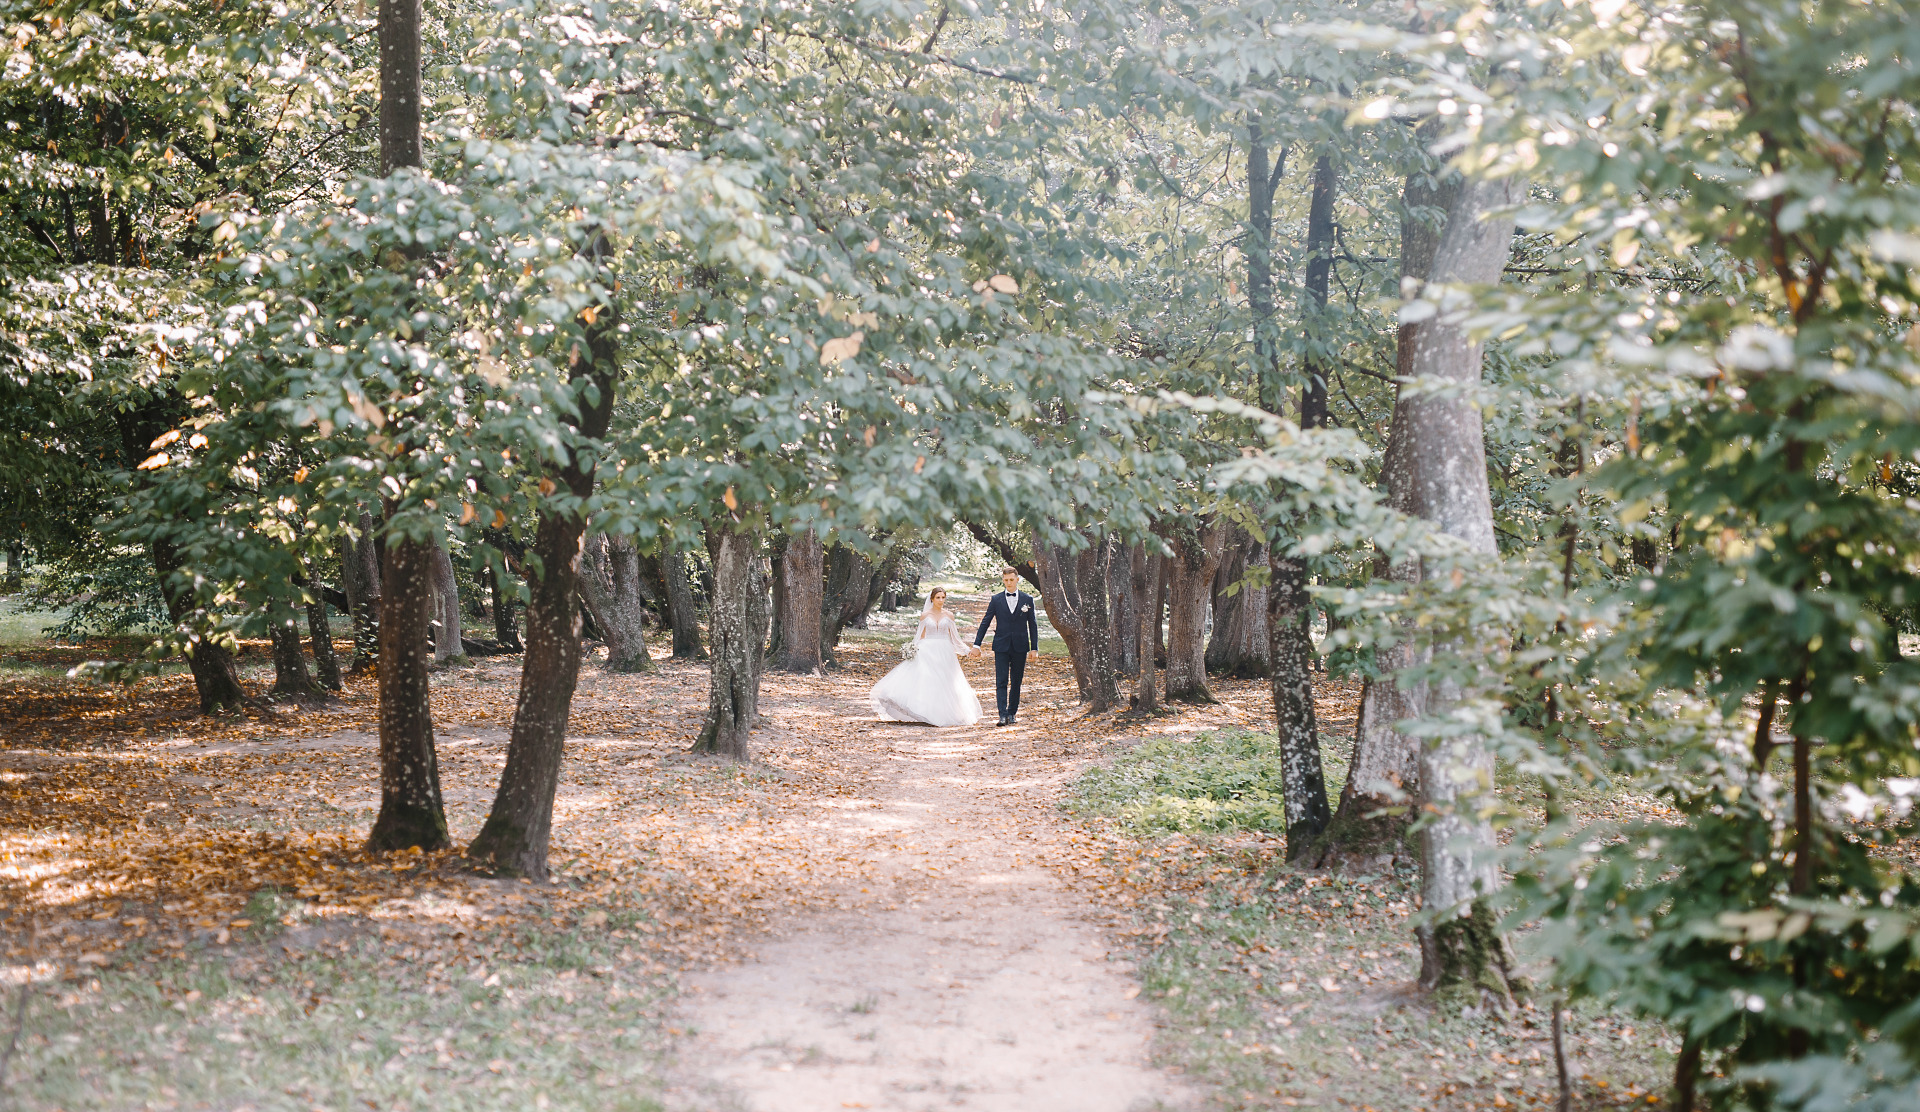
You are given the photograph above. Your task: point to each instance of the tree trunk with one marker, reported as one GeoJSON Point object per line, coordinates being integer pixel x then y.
{"type": "Point", "coordinates": [1238, 644]}
{"type": "Point", "coordinates": [734, 686]}
{"type": "Point", "coordinates": [399, 31]}
{"type": "Point", "coordinates": [360, 579]}
{"type": "Point", "coordinates": [803, 596]}
{"type": "Point", "coordinates": [1303, 782]}
{"type": "Point", "coordinates": [1320, 250]}
{"type": "Point", "coordinates": [682, 613]}
{"type": "Point", "coordinates": [1371, 827]}
{"type": "Point", "coordinates": [1195, 561]}
{"type": "Point", "coordinates": [320, 637]}
{"type": "Point", "coordinates": [1126, 614]}
{"type": "Point", "coordinates": [1144, 578]}
{"type": "Point", "coordinates": [1445, 470]}
{"type": "Point", "coordinates": [446, 608]}
{"type": "Point", "coordinates": [849, 574]}
{"type": "Point", "coordinates": [877, 585]}
{"type": "Point", "coordinates": [778, 582]}
{"type": "Point", "coordinates": [519, 826]}
{"type": "Point", "coordinates": [1075, 590]}
{"type": "Point", "coordinates": [214, 677]}
{"type": "Point", "coordinates": [411, 812]}
{"type": "Point", "coordinates": [292, 682]}
{"type": "Point", "coordinates": [610, 587]}
{"type": "Point", "coordinates": [1162, 593]}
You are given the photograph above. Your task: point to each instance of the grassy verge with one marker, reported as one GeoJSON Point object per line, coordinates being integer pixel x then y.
{"type": "Point", "coordinates": [353, 1016]}
{"type": "Point", "coordinates": [1285, 988]}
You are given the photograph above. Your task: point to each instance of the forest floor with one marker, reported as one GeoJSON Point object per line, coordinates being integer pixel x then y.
{"type": "Point", "coordinates": [1050, 916]}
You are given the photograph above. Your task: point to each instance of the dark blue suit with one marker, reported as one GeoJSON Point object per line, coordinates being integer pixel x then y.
{"type": "Point", "coordinates": [1016, 633]}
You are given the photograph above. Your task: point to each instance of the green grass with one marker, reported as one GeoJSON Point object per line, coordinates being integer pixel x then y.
{"type": "Point", "coordinates": [1291, 989]}
{"type": "Point", "coordinates": [1214, 783]}
{"type": "Point", "coordinates": [22, 627]}
{"type": "Point", "coordinates": [347, 1019]}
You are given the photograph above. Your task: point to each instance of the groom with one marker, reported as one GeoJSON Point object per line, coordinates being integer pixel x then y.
{"type": "Point", "coordinates": [1014, 639]}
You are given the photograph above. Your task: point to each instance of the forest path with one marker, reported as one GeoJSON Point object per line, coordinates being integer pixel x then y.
{"type": "Point", "coordinates": [966, 974]}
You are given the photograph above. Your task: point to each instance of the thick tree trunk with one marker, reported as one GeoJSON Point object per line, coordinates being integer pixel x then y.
{"type": "Point", "coordinates": [877, 585]}
{"type": "Point", "coordinates": [514, 839]}
{"type": "Point", "coordinates": [1238, 644]}
{"type": "Point", "coordinates": [849, 574]}
{"type": "Point", "coordinates": [1195, 561]}
{"type": "Point", "coordinates": [1303, 781]}
{"type": "Point", "coordinates": [1074, 589]}
{"type": "Point", "coordinates": [610, 587]}
{"type": "Point", "coordinates": [802, 595]}
{"type": "Point", "coordinates": [320, 637]}
{"type": "Point", "coordinates": [1444, 470]}
{"type": "Point", "coordinates": [214, 677]}
{"type": "Point", "coordinates": [292, 681]}
{"type": "Point", "coordinates": [733, 706]}
{"type": "Point", "coordinates": [411, 812]}
{"type": "Point", "coordinates": [446, 609]}
{"type": "Point", "coordinates": [682, 613]}
{"type": "Point", "coordinates": [1371, 827]}
{"type": "Point", "coordinates": [516, 835]}
{"type": "Point", "coordinates": [1144, 579]}
{"type": "Point", "coordinates": [360, 579]}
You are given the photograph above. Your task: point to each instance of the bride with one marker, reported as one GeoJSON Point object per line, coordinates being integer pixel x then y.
{"type": "Point", "coordinates": [929, 686]}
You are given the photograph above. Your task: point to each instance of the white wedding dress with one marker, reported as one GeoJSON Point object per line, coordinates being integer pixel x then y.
{"type": "Point", "coordinates": [929, 688]}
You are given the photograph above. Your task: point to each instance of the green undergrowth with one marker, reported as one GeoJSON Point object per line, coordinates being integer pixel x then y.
{"type": "Point", "coordinates": [1213, 783]}
{"type": "Point", "coordinates": [353, 1018]}
{"type": "Point", "coordinates": [1281, 988]}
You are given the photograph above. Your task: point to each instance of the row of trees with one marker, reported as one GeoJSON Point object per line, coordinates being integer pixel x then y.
{"type": "Point", "coordinates": [1558, 354]}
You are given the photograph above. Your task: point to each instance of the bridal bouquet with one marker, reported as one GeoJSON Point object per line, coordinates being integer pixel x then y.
{"type": "Point", "coordinates": [908, 649]}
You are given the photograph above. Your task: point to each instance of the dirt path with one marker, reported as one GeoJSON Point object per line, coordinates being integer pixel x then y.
{"type": "Point", "coordinates": [974, 978]}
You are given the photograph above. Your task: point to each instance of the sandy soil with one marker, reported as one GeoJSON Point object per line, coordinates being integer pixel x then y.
{"type": "Point", "coordinates": [986, 984]}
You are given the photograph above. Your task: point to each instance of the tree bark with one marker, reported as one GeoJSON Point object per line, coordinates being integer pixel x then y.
{"type": "Point", "coordinates": [849, 574]}
{"type": "Point", "coordinates": [360, 579]}
{"type": "Point", "coordinates": [803, 596]}
{"type": "Point", "coordinates": [215, 679]}
{"type": "Point", "coordinates": [320, 637]}
{"type": "Point", "coordinates": [1144, 578]}
{"type": "Point", "coordinates": [1371, 827]}
{"type": "Point", "coordinates": [506, 628]}
{"type": "Point", "coordinates": [400, 142]}
{"type": "Point", "coordinates": [1445, 468]}
{"type": "Point", "coordinates": [1303, 781]}
{"type": "Point", "coordinates": [778, 582]}
{"type": "Point", "coordinates": [519, 826]}
{"type": "Point", "coordinates": [1162, 592]}
{"type": "Point", "coordinates": [446, 608]}
{"type": "Point", "coordinates": [733, 707]}
{"type": "Point", "coordinates": [610, 587]}
{"type": "Point", "coordinates": [682, 613]}
{"type": "Point", "coordinates": [292, 681]}
{"type": "Point", "coordinates": [1238, 645]}
{"type": "Point", "coordinates": [1320, 248]}
{"type": "Point", "coordinates": [1126, 614]}
{"type": "Point", "coordinates": [1075, 590]}
{"type": "Point", "coordinates": [411, 812]}
{"type": "Point", "coordinates": [1195, 561]}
